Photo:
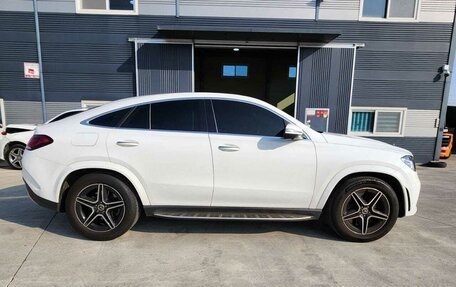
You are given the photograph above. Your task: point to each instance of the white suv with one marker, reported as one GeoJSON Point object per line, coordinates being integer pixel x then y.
{"type": "Point", "coordinates": [214, 156]}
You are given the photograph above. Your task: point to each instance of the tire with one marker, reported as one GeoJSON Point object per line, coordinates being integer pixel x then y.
{"type": "Point", "coordinates": [101, 206]}
{"type": "Point", "coordinates": [363, 200]}
{"type": "Point", "coordinates": [13, 155]}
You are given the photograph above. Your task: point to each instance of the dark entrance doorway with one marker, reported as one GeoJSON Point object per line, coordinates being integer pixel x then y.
{"type": "Point", "coordinates": [265, 74]}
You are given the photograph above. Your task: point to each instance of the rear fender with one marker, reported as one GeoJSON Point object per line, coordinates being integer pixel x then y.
{"type": "Point", "coordinates": [108, 166]}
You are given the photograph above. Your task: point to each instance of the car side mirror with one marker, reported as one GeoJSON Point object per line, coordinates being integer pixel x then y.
{"type": "Point", "coordinates": [293, 132]}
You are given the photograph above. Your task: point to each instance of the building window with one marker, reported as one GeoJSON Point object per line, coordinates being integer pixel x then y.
{"type": "Point", "coordinates": [292, 72]}
{"type": "Point", "coordinates": [389, 9]}
{"type": "Point", "coordinates": [235, 71]}
{"type": "Point", "coordinates": [377, 121]}
{"type": "Point", "coordinates": [106, 6]}
{"type": "Point", "coordinates": [363, 122]}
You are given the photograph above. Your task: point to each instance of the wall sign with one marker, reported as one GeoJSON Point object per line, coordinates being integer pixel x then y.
{"type": "Point", "coordinates": [317, 119]}
{"type": "Point", "coordinates": [31, 70]}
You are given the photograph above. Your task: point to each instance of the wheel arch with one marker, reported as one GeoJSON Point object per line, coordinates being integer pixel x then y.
{"type": "Point", "coordinates": [11, 143]}
{"type": "Point", "coordinates": [131, 181]}
{"type": "Point", "coordinates": [390, 176]}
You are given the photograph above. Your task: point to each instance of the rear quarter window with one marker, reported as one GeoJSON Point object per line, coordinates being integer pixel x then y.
{"type": "Point", "coordinates": [113, 119]}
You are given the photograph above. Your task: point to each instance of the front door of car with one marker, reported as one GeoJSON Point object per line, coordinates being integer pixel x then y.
{"type": "Point", "coordinates": [169, 151]}
{"type": "Point", "coordinates": [254, 166]}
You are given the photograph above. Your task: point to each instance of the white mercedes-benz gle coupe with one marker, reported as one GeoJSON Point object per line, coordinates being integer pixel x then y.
{"type": "Point", "coordinates": [214, 156]}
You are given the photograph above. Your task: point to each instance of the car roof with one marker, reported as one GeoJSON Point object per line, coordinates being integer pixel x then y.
{"type": "Point", "coordinates": [174, 96]}
{"type": "Point", "coordinates": [163, 97]}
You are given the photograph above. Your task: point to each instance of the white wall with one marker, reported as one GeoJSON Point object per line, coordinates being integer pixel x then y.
{"type": "Point", "coordinates": [430, 10]}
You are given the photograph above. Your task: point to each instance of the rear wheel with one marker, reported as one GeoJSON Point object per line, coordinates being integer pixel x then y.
{"type": "Point", "coordinates": [364, 209]}
{"type": "Point", "coordinates": [14, 154]}
{"type": "Point", "coordinates": [101, 206]}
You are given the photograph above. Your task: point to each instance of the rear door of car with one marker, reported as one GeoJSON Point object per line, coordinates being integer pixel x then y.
{"type": "Point", "coordinates": [166, 145]}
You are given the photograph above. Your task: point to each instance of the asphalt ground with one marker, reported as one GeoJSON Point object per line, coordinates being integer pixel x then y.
{"type": "Point", "coordinates": [39, 248]}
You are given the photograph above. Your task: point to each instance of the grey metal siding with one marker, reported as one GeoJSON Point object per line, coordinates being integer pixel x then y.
{"type": "Point", "coordinates": [421, 147]}
{"type": "Point", "coordinates": [164, 68]}
{"type": "Point", "coordinates": [437, 10]}
{"type": "Point", "coordinates": [299, 9]}
{"type": "Point", "coordinates": [431, 10]}
{"type": "Point", "coordinates": [30, 111]}
{"type": "Point", "coordinates": [397, 93]}
{"type": "Point", "coordinates": [89, 56]}
{"type": "Point", "coordinates": [339, 9]}
{"type": "Point", "coordinates": [399, 78]}
{"type": "Point", "coordinates": [325, 82]}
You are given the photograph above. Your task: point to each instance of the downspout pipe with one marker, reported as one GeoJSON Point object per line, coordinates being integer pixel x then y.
{"type": "Point", "coordinates": [40, 61]}
{"type": "Point", "coordinates": [317, 9]}
{"type": "Point", "coordinates": [446, 94]}
{"type": "Point", "coordinates": [177, 8]}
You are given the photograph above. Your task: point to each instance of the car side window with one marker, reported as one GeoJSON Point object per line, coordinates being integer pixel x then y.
{"type": "Point", "coordinates": [113, 119]}
{"type": "Point", "coordinates": [234, 117]}
{"type": "Point", "coordinates": [179, 115]}
{"type": "Point", "coordinates": [138, 118]}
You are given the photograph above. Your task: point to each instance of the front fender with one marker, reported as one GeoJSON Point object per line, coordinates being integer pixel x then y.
{"type": "Point", "coordinates": [321, 196]}
{"type": "Point", "coordinates": [109, 166]}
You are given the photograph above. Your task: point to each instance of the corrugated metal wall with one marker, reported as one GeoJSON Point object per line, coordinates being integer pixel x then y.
{"type": "Point", "coordinates": [325, 77]}
{"type": "Point", "coordinates": [164, 68]}
{"type": "Point", "coordinates": [431, 10]}
{"type": "Point", "coordinates": [339, 9]}
{"type": "Point", "coordinates": [422, 148]}
{"type": "Point", "coordinates": [421, 123]}
{"type": "Point", "coordinates": [30, 111]}
{"type": "Point", "coordinates": [89, 57]}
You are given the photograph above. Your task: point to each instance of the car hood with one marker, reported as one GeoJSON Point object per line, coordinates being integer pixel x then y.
{"type": "Point", "coordinates": [362, 142]}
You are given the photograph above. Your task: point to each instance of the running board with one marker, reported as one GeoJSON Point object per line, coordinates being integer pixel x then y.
{"type": "Point", "coordinates": [233, 213]}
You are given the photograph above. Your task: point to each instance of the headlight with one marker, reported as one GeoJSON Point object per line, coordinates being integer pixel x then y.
{"type": "Point", "coordinates": [409, 161]}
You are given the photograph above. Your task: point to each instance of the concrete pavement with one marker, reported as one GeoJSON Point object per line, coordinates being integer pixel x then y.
{"type": "Point", "coordinates": [39, 248]}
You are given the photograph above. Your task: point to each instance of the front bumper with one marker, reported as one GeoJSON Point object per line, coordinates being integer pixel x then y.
{"type": "Point", "coordinates": [41, 201]}
{"type": "Point", "coordinates": [412, 188]}
{"type": "Point", "coordinates": [3, 142]}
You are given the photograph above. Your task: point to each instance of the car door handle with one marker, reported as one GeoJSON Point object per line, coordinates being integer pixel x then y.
{"type": "Point", "coordinates": [127, 143]}
{"type": "Point", "coordinates": [228, 147]}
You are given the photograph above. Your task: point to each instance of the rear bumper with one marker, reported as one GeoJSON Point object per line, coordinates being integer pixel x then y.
{"type": "Point", "coordinates": [41, 201]}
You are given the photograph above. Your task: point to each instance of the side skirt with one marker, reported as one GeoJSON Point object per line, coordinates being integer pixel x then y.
{"type": "Point", "coordinates": [232, 213]}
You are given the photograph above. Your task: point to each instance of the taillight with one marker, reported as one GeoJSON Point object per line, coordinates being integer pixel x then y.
{"type": "Point", "coordinates": [3, 133]}
{"type": "Point", "coordinates": [38, 141]}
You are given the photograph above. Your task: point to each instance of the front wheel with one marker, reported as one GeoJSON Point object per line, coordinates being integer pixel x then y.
{"type": "Point", "coordinates": [364, 209]}
{"type": "Point", "coordinates": [101, 206]}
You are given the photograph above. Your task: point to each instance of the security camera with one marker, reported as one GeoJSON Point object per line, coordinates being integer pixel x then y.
{"type": "Point", "coordinates": [446, 70]}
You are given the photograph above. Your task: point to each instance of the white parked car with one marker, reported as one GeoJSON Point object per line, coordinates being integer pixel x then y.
{"type": "Point", "coordinates": [214, 156]}
{"type": "Point", "coordinates": [15, 137]}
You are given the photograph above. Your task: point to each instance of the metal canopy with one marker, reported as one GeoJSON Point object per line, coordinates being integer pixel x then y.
{"type": "Point", "coordinates": [247, 33]}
